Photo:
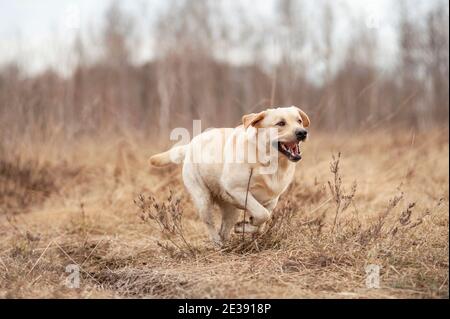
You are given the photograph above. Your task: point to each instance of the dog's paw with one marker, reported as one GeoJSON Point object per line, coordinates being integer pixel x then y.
{"type": "Point", "coordinates": [217, 242]}
{"type": "Point", "coordinates": [245, 227]}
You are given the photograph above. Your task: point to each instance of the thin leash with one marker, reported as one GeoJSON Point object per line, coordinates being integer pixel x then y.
{"type": "Point", "coordinates": [245, 207]}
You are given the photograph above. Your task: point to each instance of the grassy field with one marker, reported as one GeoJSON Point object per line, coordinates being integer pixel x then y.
{"type": "Point", "coordinates": [385, 201]}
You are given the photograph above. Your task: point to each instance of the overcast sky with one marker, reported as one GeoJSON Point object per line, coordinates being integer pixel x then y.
{"type": "Point", "coordinates": [39, 33]}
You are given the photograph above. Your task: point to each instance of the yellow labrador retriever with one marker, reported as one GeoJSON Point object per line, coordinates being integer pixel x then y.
{"type": "Point", "coordinates": [217, 165]}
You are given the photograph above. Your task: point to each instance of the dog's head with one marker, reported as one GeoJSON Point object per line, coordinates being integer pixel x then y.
{"type": "Point", "coordinates": [290, 124]}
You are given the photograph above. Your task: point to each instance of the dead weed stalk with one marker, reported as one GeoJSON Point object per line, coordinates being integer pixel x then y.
{"type": "Point", "coordinates": [167, 215]}
{"type": "Point", "coordinates": [341, 198]}
{"type": "Point", "coordinates": [374, 231]}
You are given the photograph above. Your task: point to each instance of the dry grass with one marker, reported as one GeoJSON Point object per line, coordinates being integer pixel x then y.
{"type": "Point", "coordinates": [77, 206]}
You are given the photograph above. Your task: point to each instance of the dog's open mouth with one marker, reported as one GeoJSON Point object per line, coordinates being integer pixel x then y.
{"type": "Point", "coordinates": [290, 150]}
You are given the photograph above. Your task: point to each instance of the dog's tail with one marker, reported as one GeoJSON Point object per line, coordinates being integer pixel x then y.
{"type": "Point", "coordinates": [173, 156]}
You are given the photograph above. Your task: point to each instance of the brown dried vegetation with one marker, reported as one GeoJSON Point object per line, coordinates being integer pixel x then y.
{"type": "Point", "coordinates": [392, 220]}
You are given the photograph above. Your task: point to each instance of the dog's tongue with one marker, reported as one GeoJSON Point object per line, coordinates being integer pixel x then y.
{"type": "Point", "coordinates": [293, 148]}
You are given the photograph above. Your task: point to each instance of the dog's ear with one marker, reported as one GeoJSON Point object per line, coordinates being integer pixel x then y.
{"type": "Point", "coordinates": [305, 118]}
{"type": "Point", "coordinates": [252, 118]}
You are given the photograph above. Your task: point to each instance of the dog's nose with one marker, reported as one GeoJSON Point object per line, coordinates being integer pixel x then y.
{"type": "Point", "coordinates": [301, 134]}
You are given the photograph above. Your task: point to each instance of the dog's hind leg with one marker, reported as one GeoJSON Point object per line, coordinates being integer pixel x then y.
{"type": "Point", "coordinates": [202, 199]}
{"type": "Point", "coordinates": [229, 217]}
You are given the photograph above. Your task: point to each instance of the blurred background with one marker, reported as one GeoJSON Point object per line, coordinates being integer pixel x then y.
{"type": "Point", "coordinates": [85, 68]}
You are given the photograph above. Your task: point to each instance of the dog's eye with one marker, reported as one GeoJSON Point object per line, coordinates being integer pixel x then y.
{"type": "Point", "coordinates": [300, 121]}
{"type": "Point", "coordinates": [281, 123]}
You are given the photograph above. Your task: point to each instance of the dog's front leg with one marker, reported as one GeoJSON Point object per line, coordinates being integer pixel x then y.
{"type": "Point", "coordinates": [258, 213]}
{"type": "Point", "coordinates": [270, 207]}
{"type": "Point", "coordinates": [245, 227]}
